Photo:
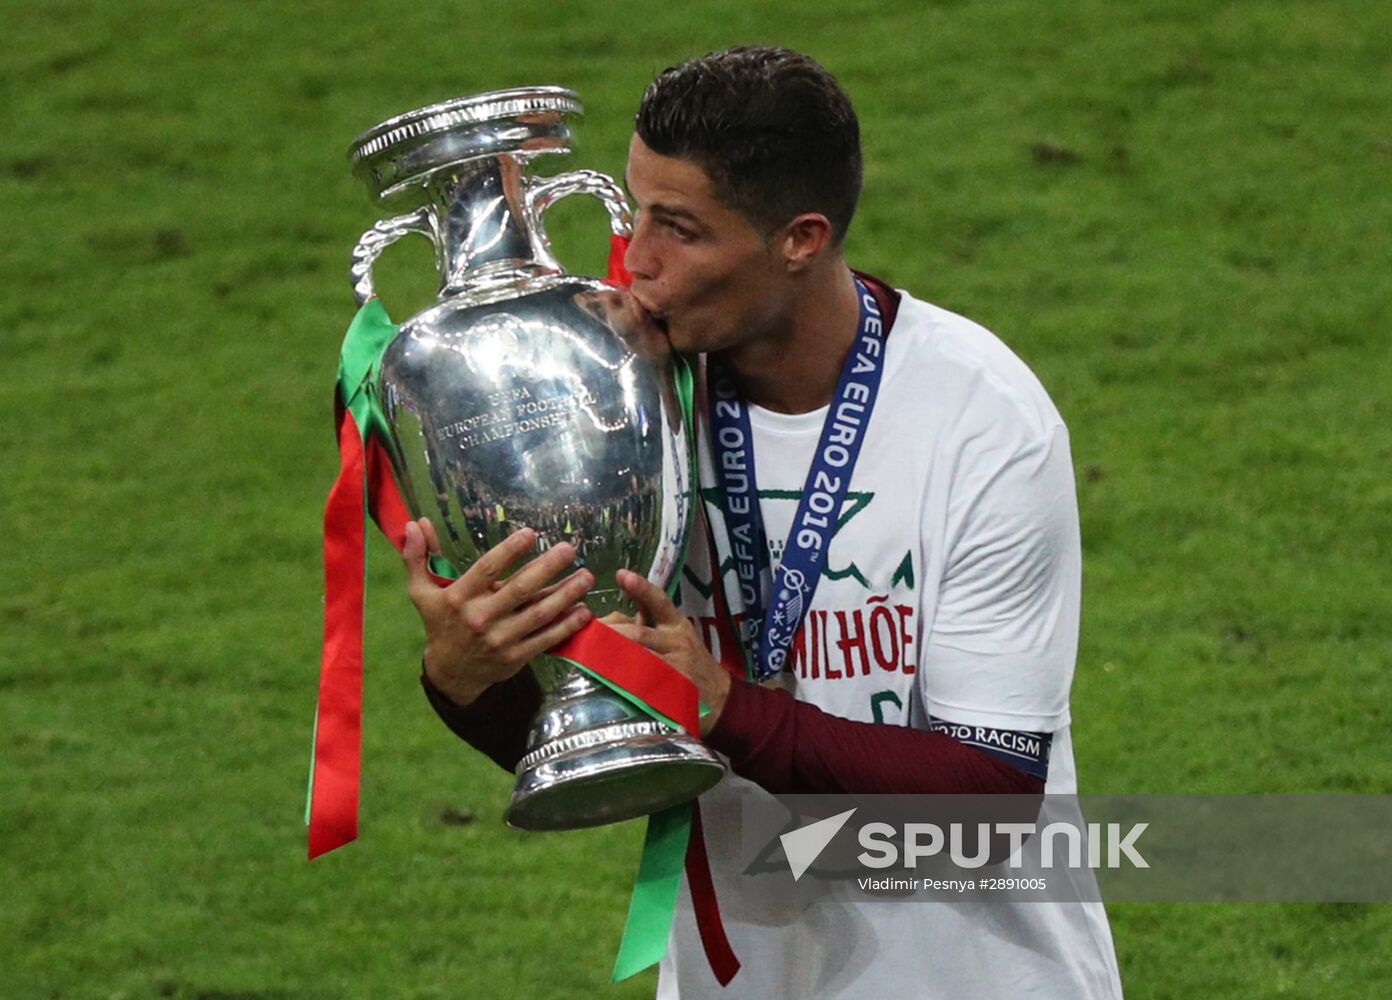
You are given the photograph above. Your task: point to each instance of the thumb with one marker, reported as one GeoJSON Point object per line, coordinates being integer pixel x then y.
{"type": "Point", "coordinates": [415, 555]}
{"type": "Point", "coordinates": [652, 600]}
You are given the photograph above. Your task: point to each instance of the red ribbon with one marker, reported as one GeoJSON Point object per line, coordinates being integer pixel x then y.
{"type": "Point", "coordinates": [618, 273]}
{"type": "Point", "coordinates": [333, 810]}
{"type": "Point", "coordinates": [719, 954]}
{"type": "Point", "coordinates": [634, 669]}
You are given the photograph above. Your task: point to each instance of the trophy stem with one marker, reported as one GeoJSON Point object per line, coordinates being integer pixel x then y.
{"type": "Point", "coordinates": [595, 758]}
{"type": "Point", "coordinates": [481, 215]}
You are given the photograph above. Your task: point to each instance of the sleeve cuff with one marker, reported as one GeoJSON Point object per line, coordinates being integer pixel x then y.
{"type": "Point", "coordinates": [495, 722]}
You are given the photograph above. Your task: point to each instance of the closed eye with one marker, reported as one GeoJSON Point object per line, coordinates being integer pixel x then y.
{"type": "Point", "coordinates": [681, 232]}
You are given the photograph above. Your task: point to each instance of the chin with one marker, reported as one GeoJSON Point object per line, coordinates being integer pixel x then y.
{"type": "Point", "coordinates": [684, 344]}
{"type": "Point", "coordinates": [682, 340]}
{"type": "Point", "coordinates": [695, 339]}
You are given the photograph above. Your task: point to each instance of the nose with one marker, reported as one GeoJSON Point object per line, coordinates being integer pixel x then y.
{"type": "Point", "coordinates": [638, 258]}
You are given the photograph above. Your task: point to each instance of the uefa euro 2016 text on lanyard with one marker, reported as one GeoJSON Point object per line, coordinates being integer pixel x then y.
{"type": "Point", "coordinates": [767, 634]}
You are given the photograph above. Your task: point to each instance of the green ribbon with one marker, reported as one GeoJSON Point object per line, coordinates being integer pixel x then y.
{"type": "Point", "coordinates": [360, 362]}
{"type": "Point", "coordinates": [653, 905]}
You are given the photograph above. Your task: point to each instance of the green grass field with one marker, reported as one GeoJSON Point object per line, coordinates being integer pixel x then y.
{"type": "Point", "coordinates": [1176, 211]}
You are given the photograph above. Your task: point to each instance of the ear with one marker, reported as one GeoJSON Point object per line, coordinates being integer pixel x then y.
{"type": "Point", "coordinates": [804, 240]}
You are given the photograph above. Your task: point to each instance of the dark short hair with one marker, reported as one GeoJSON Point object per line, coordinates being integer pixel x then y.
{"type": "Point", "coordinates": [771, 127]}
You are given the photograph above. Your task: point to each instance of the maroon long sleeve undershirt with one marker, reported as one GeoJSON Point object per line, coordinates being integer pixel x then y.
{"type": "Point", "coordinates": [496, 723]}
{"type": "Point", "coordinates": [789, 747]}
{"type": "Point", "coordinates": [771, 738]}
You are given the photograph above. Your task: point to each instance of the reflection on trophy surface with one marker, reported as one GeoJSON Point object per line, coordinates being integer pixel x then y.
{"type": "Point", "coordinates": [528, 397]}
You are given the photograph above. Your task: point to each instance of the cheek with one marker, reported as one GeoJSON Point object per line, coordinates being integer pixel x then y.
{"type": "Point", "coordinates": [749, 299]}
{"type": "Point", "coordinates": [693, 289]}
{"type": "Point", "coordinates": [702, 275]}
{"type": "Point", "coordinates": [716, 295]}
{"type": "Point", "coordinates": [726, 282]}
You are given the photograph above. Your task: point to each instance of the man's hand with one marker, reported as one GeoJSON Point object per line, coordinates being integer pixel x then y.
{"type": "Point", "coordinates": [480, 629]}
{"type": "Point", "coordinates": [672, 637]}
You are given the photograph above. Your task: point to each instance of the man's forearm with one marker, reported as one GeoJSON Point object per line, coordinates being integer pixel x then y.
{"type": "Point", "coordinates": [792, 747]}
{"type": "Point", "coordinates": [772, 739]}
{"type": "Point", "coordinates": [494, 724]}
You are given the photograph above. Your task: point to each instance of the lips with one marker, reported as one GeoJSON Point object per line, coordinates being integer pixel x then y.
{"type": "Point", "coordinates": [658, 316]}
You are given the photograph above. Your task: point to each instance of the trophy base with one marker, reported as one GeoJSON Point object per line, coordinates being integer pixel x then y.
{"type": "Point", "coordinates": [610, 774]}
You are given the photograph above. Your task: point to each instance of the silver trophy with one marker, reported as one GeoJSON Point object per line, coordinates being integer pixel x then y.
{"type": "Point", "coordinates": [529, 397]}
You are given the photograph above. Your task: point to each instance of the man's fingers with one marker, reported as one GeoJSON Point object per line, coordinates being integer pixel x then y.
{"type": "Point", "coordinates": [413, 549]}
{"type": "Point", "coordinates": [541, 613]}
{"type": "Point", "coordinates": [432, 540]}
{"type": "Point", "coordinates": [481, 576]}
{"type": "Point", "coordinates": [536, 575]}
{"type": "Point", "coordinates": [555, 634]}
{"type": "Point", "coordinates": [649, 638]}
{"type": "Point", "coordinates": [652, 600]}
{"type": "Point", "coordinates": [415, 556]}
{"type": "Point", "coordinates": [544, 592]}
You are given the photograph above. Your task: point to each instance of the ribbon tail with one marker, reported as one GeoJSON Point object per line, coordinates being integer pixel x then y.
{"type": "Point", "coordinates": [653, 904]}
{"type": "Point", "coordinates": [719, 955]}
{"type": "Point", "coordinates": [675, 839]}
{"type": "Point", "coordinates": [385, 504]}
{"type": "Point", "coordinates": [337, 766]}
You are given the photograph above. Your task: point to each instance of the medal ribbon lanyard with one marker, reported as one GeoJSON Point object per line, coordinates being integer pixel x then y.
{"type": "Point", "coordinates": [768, 632]}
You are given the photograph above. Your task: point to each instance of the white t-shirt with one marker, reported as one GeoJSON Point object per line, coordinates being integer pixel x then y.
{"type": "Point", "coordinates": [951, 589]}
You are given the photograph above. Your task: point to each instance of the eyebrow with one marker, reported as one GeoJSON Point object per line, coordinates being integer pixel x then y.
{"type": "Point", "coordinates": [674, 212]}
{"type": "Point", "coordinates": [663, 209]}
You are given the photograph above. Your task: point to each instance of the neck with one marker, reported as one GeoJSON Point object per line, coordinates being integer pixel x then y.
{"type": "Point", "coordinates": [795, 369]}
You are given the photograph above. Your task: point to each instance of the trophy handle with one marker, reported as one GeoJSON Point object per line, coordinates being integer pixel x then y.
{"type": "Point", "coordinates": [542, 194]}
{"type": "Point", "coordinates": [378, 238]}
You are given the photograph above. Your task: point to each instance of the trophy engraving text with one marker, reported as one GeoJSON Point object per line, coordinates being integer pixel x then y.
{"type": "Point", "coordinates": [515, 412]}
